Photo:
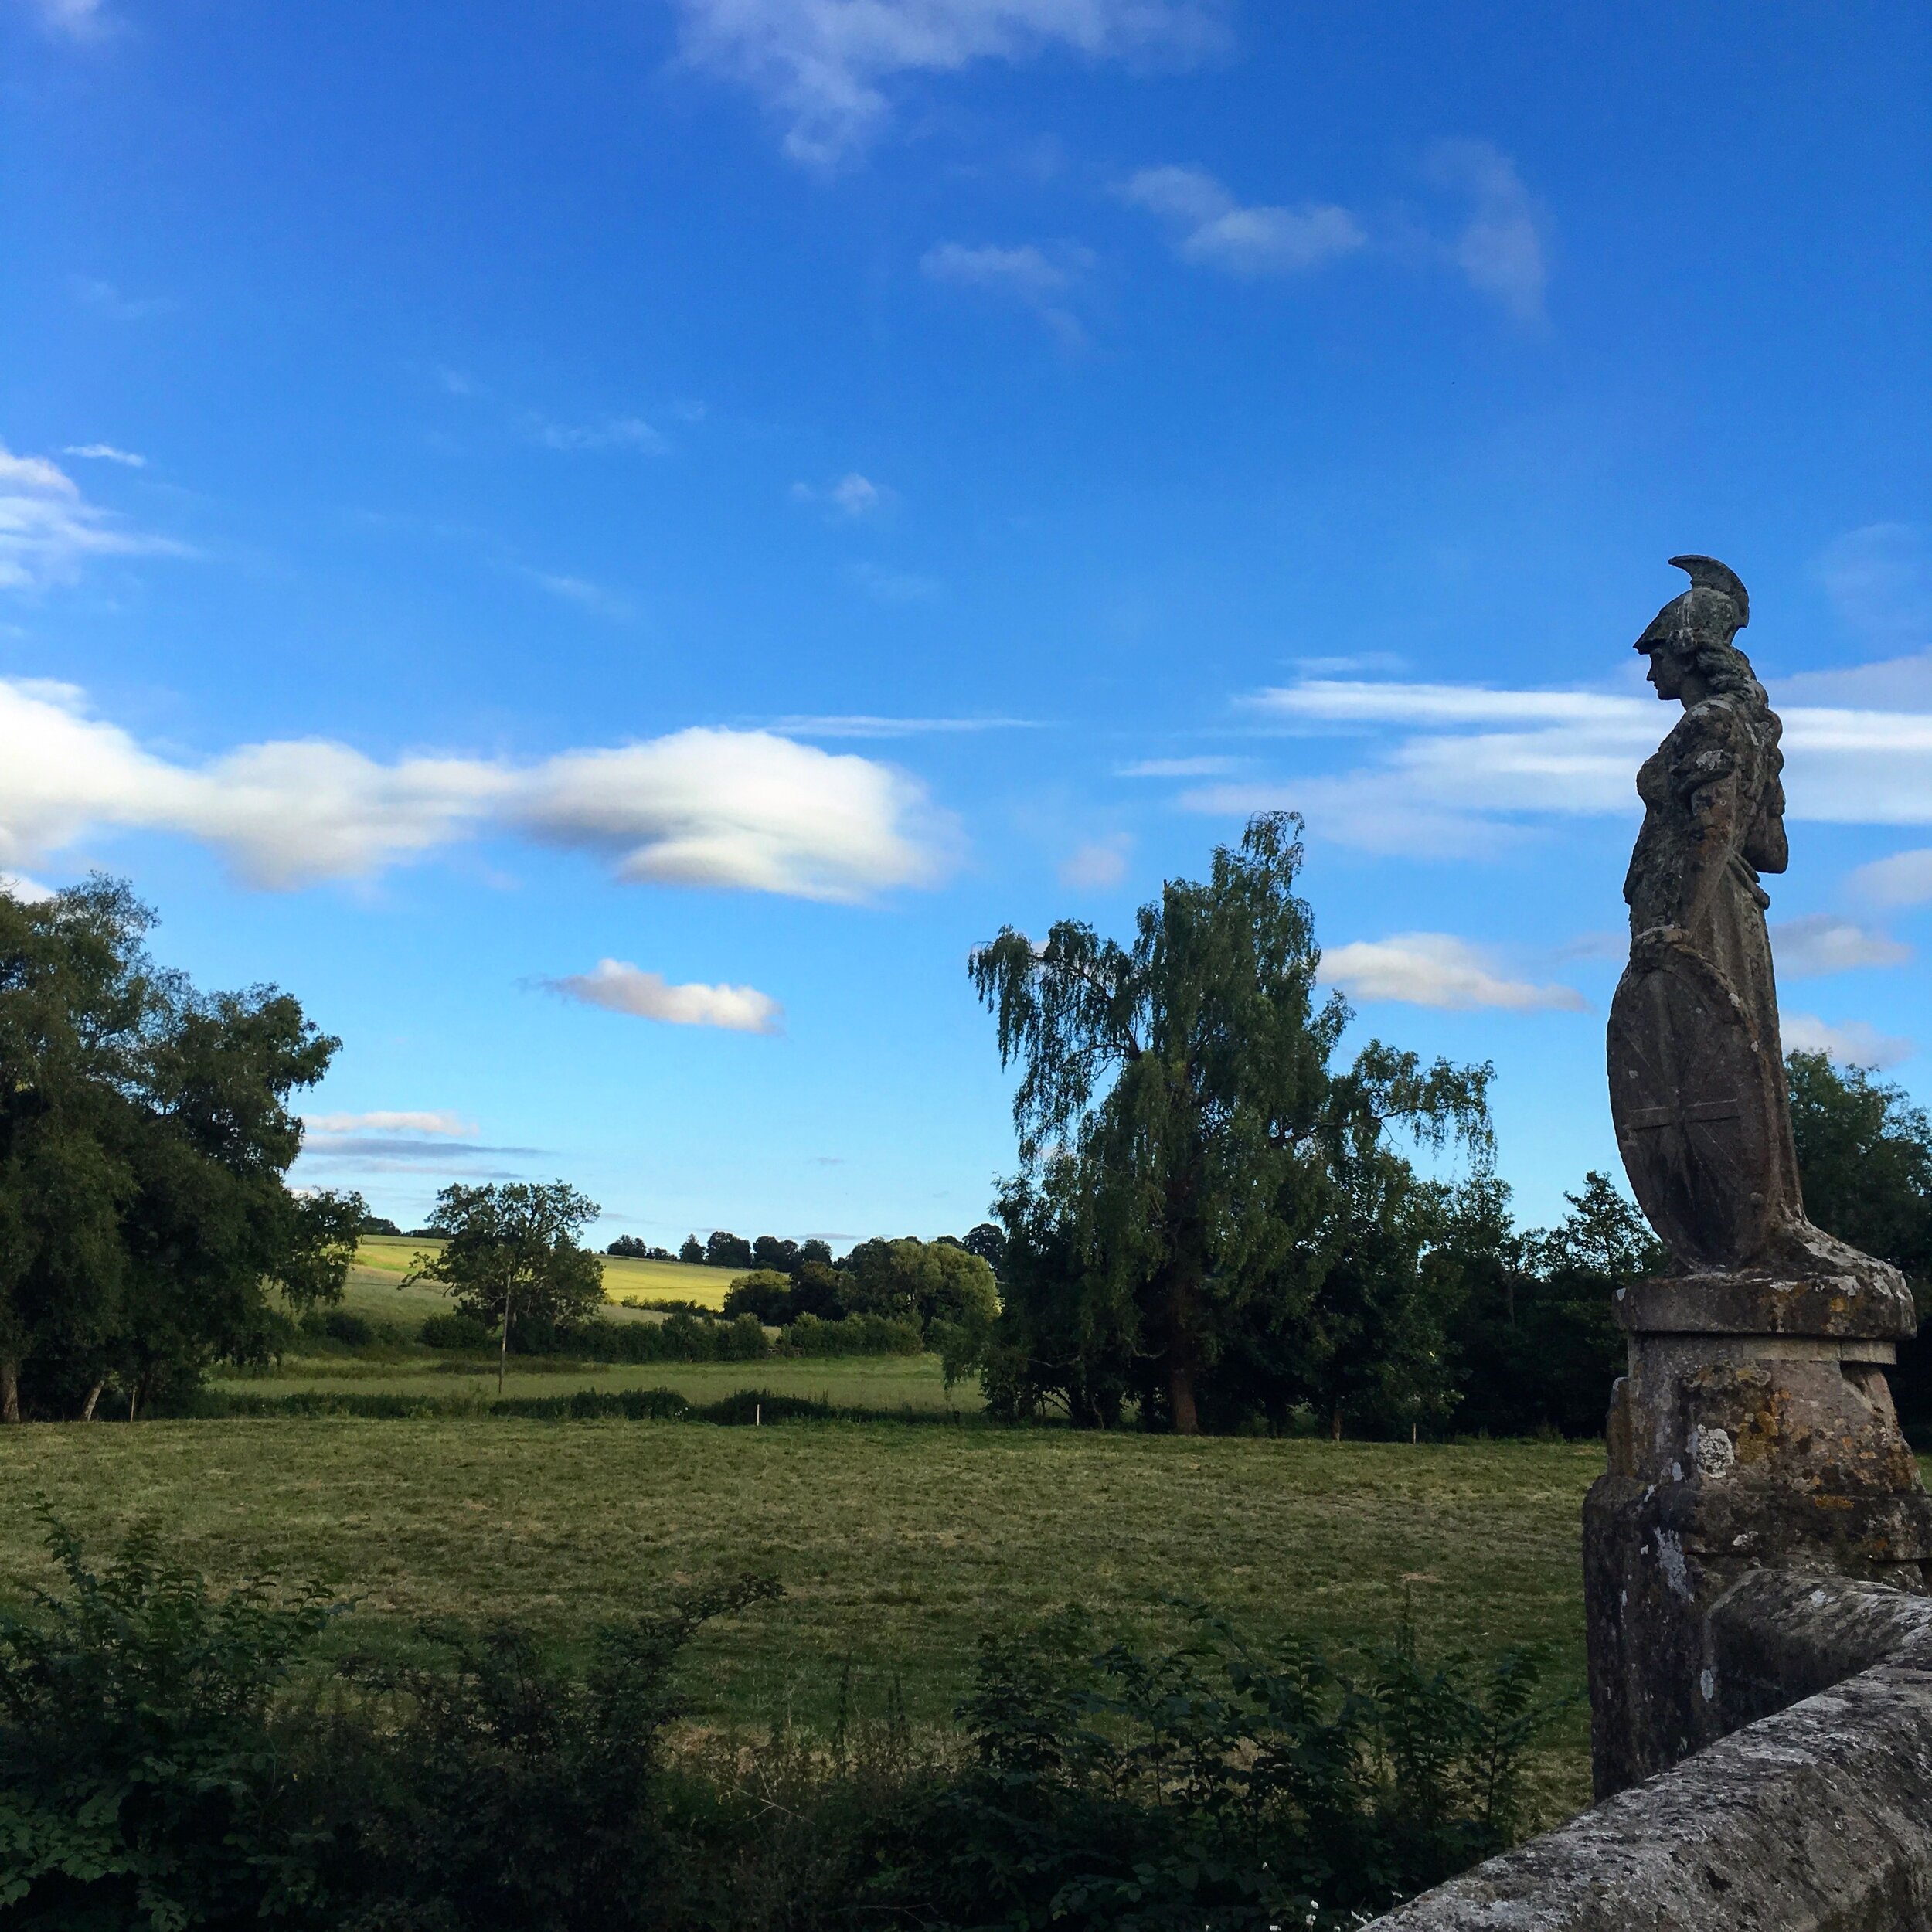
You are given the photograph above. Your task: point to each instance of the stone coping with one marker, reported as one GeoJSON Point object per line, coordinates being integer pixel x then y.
{"type": "Point", "coordinates": [1875, 1306]}
{"type": "Point", "coordinates": [1817, 1818]}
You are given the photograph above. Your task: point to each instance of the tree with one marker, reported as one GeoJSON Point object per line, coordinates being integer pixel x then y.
{"type": "Point", "coordinates": [768, 1251]}
{"type": "Point", "coordinates": [764, 1294]}
{"type": "Point", "coordinates": [1223, 1177]}
{"type": "Point", "coordinates": [692, 1251]}
{"type": "Point", "coordinates": [511, 1248]}
{"type": "Point", "coordinates": [988, 1242]}
{"type": "Point", "coordinates": [725, 1250]}
{"type": "Point", "coordinates": [145, 1134]}
{"type": "Point", "coordinates": [1865, 1161]}
{"type": "Point", "coordinates": [923, 1281]}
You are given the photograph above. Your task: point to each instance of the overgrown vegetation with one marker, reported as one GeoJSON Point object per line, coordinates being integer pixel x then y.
{"type": "Point", "coordinates": [162, 1763]}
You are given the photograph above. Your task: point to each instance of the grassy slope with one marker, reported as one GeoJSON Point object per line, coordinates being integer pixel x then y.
{"type": "Point", "coordinates": [382, 1259]}
{"type": "Point", "coordinates": [896, 1544]}
{"type": "Point", "coordinates": [855, 1382]}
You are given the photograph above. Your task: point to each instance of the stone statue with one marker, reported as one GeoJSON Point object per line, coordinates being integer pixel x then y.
{"type": "Point", "coordinates": [1697, 1083]}
{"type": "Point", "coordinates": [1753, 1428]}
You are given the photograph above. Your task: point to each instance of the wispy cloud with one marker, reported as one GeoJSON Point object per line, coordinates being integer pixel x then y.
{"type": "Point", "coordinates": [619, 987]}
{"type": "Point", "coordinates": [106, 452]}
{"type": "Point", "coordinates": [1437, 969]}
{"type": "Point", "coordinates": [1822, 942]}
{"type": "Point", "coordinates": [30, 892]}
{"type": "Point", "coordinates": [1028, 274]}
{"type": "Point", "coordinates": [744, 809]}
{"type": "Point", "coordinates": [1211, 228]}
{"type": "Point", "coordinates": [1903, 879]}
{"type": "Point", "coordinates": [1177, 768]}
{"type": "Point", "coordinates": [1097, 864]}
{"type": "Point", "coordinates": [104, 298]}
{"type": "Point", "coordinates": [1500, 247]}
{"type": "Point", "coordinates": [585, 595]}
{"type": "Point", "coordinates": [894, 587]}
{"type": "Point", "coordinates": [1460, 768]}
{"type": "Point", "coordinates": [611, 433]}
{"type": "Point", "coordinates": [428, 1121]}
{"type": "Point", "coordinates": [853, 497]}
{"type": "Point", "coordinates": [77, 19]}
{"type": "Point", "coordinates": [825, 66]}
{"type": "Point", "coordinates": [862, 725]}
{"type": "Point", "coordinates": [48, 530]}
{"type": "Point", "coordinates": [1853, 1043]}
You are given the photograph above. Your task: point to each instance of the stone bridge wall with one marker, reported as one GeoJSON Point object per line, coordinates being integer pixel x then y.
{"type": "Point", "coordinates": [1813, 1815]}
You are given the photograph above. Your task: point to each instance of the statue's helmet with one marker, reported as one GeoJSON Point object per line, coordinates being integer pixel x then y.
{"type": "Point", "coordinates": [1714, 609]}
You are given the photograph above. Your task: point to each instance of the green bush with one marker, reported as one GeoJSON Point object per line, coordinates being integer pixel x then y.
{"type": "Point", "coordinates": [460, 1334]}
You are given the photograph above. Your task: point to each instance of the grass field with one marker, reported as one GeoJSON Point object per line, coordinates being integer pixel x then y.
{"type": "Point", "coordinates": [374, 1289]}
{"type": "Point", "coordinates": [897, 1545]}
{"type": "Point", "coordinates": [881, 1382]}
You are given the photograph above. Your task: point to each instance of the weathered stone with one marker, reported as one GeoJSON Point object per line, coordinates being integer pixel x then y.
{"type": "Point", "coordinates": [1754, 1427]}
{"type": "Point", "coordinates": [1818, 1818]}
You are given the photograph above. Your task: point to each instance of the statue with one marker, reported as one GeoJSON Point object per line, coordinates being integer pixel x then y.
{"type": "Point", "coordinates": [1753, 1428]}
{"type": "Point", "coordinates": [1697, 1083]}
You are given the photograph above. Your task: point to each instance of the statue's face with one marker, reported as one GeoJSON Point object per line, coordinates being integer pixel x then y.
{"type": "Point", "coordinates": [1667, 671]}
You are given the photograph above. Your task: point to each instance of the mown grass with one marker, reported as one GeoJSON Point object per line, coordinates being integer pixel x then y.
{"type": "Point", "coordinates": [897, 1545]}
{"type": "Point", "coordinates": [382, 1259]}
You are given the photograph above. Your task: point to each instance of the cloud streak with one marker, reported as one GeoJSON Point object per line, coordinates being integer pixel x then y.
{"type": "Point", "coordinates": [748, 809]}
{"type": "Point", "coordinates": [1852, 1044]}
{"type": "Point", "coordinates": [826, 67]}
{"type": "Point", "coordinates": [48, 530]}
{"type": "Point", "coordinates": [1213, 230]}
{"type": "Point", "coordinates": [428, 1121]}
{"type": "Point", "coordinates": [619, 987]}
{"type": "Point", "coordinates": [1438, 970]}
{"type": "Point", "coordinates": [1822, 943]}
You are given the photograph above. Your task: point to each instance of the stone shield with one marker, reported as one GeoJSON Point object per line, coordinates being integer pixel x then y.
{"type": "Point", "coordinates": [1694, 1105]}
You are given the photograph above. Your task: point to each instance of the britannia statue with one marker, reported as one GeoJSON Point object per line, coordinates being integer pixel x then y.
{"type": "Point", "coordinates": [1697, 1081]}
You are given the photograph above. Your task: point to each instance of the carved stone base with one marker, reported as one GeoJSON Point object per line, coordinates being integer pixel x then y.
{"type": "Point", "coordinates": [1731, 1452]}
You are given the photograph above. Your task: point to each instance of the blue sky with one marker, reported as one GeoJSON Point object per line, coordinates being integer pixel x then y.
{"type": "Point", "coordinates": [605, 546]}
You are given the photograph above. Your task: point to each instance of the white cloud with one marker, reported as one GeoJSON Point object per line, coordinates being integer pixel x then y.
{"type": "Point", "coordinates": [1823, 942]}
{"type": "Point", "coordinates": [1177, 768]}
{"type": "Point", "coordinates": [1880, 578]}
{"type": "Point", "coordinates": [621, 987]}
{"type": "Point", "coordinates": [80, 18]}
{"type": "Point", "coordinates": [1903, 879]}
{"type": "Point", "coordinates": [102, 297]}
{"type": "Point", "coordinates": [701, 807]}
{"type": "Point", "coordinates": [853, 495]}
{"type": "Point", "coordinates": [1852, 1044]}
{"type": "Point", "coordinates": [582, 592]}
{"type": "Point", "coordinates": [1500, 248]}
{"type": "Point", "coordinates": [106, 452]}
{"type": "Point", "coordinates": [613, 433]}
{"type": "Point", "coordinates": [863, 725]}
{"type": "Point", "coordinates": [1099, 863]}
{"type": "Point", "coordinates": [1436, 969]}
{"type": "Point", "coordinates": [30, 892]}
{"type": "Point", "coordinates": [48, 530]}
{"type": "Point", "coordinates": [1442, 783]}
{"type": "Point", "coordinates": [1213, 229]}
{"type": "Point", "coordinates": [437, 1121]}
{"type": "Point", "coordinates": [824, 65]}
{"type": "Point", "coordinates": [894, 587]}
{"type": "Point", "coordinates": [1027, 275]}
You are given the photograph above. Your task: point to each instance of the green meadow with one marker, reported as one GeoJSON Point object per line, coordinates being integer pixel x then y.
{"type": "Point", "coordinates": [897, 1544]}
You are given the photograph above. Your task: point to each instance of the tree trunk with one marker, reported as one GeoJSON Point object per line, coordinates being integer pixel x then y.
{"type": "Point", "coordinates": [93, 1396]}
{"type": "Point", "coordinates": [503, 1351]}
{"type": "Point", "coordinates": [9, 1389]}
{"type": "Point", "coordinates": [1180, 1396]}
{"type": "Point", "coordinates": [1183, 1356]}
{"type": "Point", "coordinates": [1334, 1423]}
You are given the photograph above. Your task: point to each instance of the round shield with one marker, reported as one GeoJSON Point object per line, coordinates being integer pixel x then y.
{"type": "Point", "coordinates": [1694, 1105]}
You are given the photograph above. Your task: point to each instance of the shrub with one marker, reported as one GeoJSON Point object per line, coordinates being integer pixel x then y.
{"type": "Point", "coordinates": [461, 1334]}
{"type": "Point", "coordinates": [856, 1335]}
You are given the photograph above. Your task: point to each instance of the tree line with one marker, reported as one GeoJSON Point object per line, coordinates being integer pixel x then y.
{"type": "Point", "coordinates": [1216, 1222]}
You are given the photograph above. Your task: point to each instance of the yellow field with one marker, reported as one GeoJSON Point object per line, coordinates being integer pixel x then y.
{"type": "Point", "coordinates": [373, 1289]}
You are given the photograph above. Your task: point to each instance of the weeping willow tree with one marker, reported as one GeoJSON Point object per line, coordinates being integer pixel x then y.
{"type": "Point", "coordinates": [1209, 1212]}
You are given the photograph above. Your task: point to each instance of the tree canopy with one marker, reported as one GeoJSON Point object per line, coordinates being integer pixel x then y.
{"type": "Point", "coordinates": [1208, 1214]}
{"type": "Point", "coordinates": [145, 1136]}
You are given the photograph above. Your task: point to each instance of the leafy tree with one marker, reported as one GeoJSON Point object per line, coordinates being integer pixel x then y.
{"type": "Point", "coordinates": [145, 1131]}
{"type": "Point", "coordinates": [1225, 1190]}
{"type": "Point", "coordinates": [815, 1250]}
{"type": "Point", "coordinates": [764, 1294]}
{"type": "Point", "coordinates": [770, 1252]}
{"type": "Point", "coordinates": [692, 1250]}
{"type": "Point", "coordinates": [1865, 1160]}
{"type": "Point", "coordinates": [988, 1242]}
{"type": "Point", "coordinates": [511, 1250]}
{"type": "Point", "coordinates": [377, 1224]}
{"type": "Point", "coordinates": [926, 1281]}
{"type": "Point", "coordinates": [725, 1250]}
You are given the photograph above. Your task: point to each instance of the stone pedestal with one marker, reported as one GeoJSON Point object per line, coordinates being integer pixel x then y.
{"type": "Point", "coordinates": [1754, 1430]}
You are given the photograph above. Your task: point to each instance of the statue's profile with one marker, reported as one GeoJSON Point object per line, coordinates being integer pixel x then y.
{"type": "Point", "coordinates": [1697, 1083]}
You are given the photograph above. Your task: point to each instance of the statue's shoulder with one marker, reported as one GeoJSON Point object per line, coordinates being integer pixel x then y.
{"type": "Point", "coordinates": [1707, 742]}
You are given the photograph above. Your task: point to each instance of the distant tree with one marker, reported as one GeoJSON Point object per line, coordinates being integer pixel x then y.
{"type": "Point", "coordinates": [765, 1295]}
{"type": "Point", "coordinates": [632, 1247]}
{"type": "Point", "coordinates": [818, 1288]}
{"type": "Point", "coordinates": [377, 1224]}
{"type": "Point", "coordinates": [693, 1250]}
{"type": "Point", "coordinates": [988, 1242]}
{"type": "Point", "coordinates": [725, 1250]}
{"type": "Point", "coordinates": [924, 1281]}
{"type": "Point", "coordinates": [145, 1134]}
{"type": "Point", "coordinates": [511, 1250]}
{"type": "Point", "coordinates": [1865, 1161]}
{"type": "Point", "coordinates": [1230, 1197]}
{"type": "Point", "coordinates": [815, 1250]}
{"type": "Point", "coordinates": [769, 1252]}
